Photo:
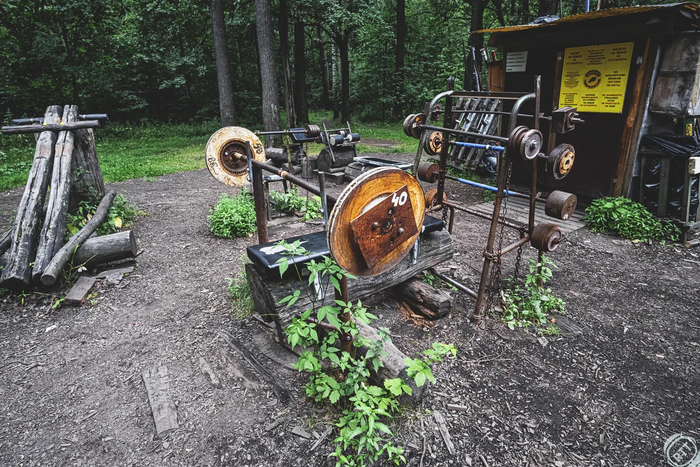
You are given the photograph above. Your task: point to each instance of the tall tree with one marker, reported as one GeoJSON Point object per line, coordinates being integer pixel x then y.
{"type": "Point", "coordinates": [300, 70]}
{"type": "Point", "coordinates": [286, 67]}
{"type": "Point", "coordinates": [223, 72]}
{"type": "Point", "coordinates": [547, 7]}
{"type": "Point", "coordinates": [400, 56]}
{"type": "Point", "coordinates": [268, 73]}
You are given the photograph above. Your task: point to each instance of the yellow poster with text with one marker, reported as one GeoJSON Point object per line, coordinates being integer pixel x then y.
{"type": "Point", "coordinates": [594, 78]}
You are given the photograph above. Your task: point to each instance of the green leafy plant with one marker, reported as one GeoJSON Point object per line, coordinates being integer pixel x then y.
{"type": "Point", "coordinates": [121, 215]}
{"type": "Point", "coordinates": [233, 216]}
{"type": "Point", "coordinates": [530, 304]}
{"type": "Point", "coordinates": [241, 297]}
{"type": "Point", "coordinates": [291, 202]}
{"type": "Point", "coordinates": [628, 219]}
{"type": "Point", "coordinates": [341, 379]}
{"type": "Point", "coordinates": [430, 279]}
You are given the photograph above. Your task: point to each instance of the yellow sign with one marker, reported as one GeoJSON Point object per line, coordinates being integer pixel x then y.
{"type": "Point", "coordinates": [594, 78]}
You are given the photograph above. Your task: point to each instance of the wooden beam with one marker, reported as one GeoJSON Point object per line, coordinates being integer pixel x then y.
{"type": "Point", "coordinates": [26, 129]}
{"type": "Point", "coordinates": [157, 382]}
{"type": "Point", "coordinates": [77, 295]}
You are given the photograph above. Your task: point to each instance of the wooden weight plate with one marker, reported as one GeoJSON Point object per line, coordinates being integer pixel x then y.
{"type": "Point", "coordinates": [376, 221]}
{"type": "Point", "coordinates": [226, 151]}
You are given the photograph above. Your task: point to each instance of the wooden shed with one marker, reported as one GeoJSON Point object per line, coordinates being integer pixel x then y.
{"type": "Point", "coordinates": [629, 72]}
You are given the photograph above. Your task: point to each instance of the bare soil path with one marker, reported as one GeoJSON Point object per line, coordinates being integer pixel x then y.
{"type": "Point", "coordinates": [70, 379]}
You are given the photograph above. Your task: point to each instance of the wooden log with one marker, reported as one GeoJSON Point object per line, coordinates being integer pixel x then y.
{"type": "Point", "coordinates": [308, 164]}
{"type": "Point", "coordinates": [343, 156]}
{"type": "Point", "coordinates": [53, 127]}
{"type": "Point", "coordinates": [77, 295]}
{"type": "Point", "coordinates": [62, 257]}
{"type": "Point", "coordinates": [87, 182]}
{"type": "Point", "coordinates": [54, 228]}
{"type": "Point", "coordinates": [5, 241]}
{"type": "Point", "coordinates": [278, 156]}
{"type": "Point", "coordinates": [17, 272]}
{"type": "Point", "coordinates": [424, 298]}
{"type": "Point", "coordinates": [105, 249]}
{"type": "Point", "coordinates": [157, 382]}
{"type": "Point", "coordinates": [436, 247]}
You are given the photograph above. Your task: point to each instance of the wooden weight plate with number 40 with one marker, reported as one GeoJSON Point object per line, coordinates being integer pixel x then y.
{"type": "Point", "coordinates": [376, 221]}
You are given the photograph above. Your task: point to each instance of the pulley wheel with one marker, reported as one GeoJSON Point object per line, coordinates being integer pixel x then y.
{"type": "Point", "coordinates": [530, 144]}
{"type": "Point", "coordinates": [561, 205]}
{"type": "Point", "coordinates": [560, 161]}
{"type": "Point", "coordinates": [312, 131]}
{"type": "Point", "coordinates": [515, 138]}
{"type": "Point", "coordinates": [407, 125]}
{"type": "Point", "coordinates": [433, 144]}
{"type": "Point", "coordinates": [225, 154]}
{"type": "Point", "coordinates": [546, 237]}
{"type": "Point", "coordinates": [418, 121]}
{"type": "Point", "coordinates": [376, 221]}
{"type": "Point", "coordinates": [428, 172]}
{"type": "Point", "coordinates": [431, 197]}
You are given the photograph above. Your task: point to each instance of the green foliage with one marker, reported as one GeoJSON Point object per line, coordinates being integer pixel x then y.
{"type": "Point", "coordinates": [241, 297]}
{"type": "Point", "coordinates": [340, 380]}
{"type": "Point", "coordinates": [233, 216]}
{"type": "Point", "coordinates": [628, 220]}
{"type": "Point", "coordinates": [433, 281]}
{"type": "Point", "coordinates": [530, 304]}
{"type": "Point", "coordinates": [121, 215]}
{"type": "Point", "coordinates": [291, 202]}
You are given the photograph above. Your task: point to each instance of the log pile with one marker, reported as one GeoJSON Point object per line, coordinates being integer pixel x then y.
{"type": "Point", "coordinates": [65, 159]}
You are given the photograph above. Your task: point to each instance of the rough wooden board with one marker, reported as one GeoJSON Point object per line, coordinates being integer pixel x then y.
{"type": "Point", "coordinates": [80, 290]}
{"type": "Point", "coordinates": [157, 385]}
{"type": "Point", "coordinates": [442, 426]}
{"type": "Point", "coordinates": [111, 272]}
{"type": "Point", "coordinates": [209, 373]}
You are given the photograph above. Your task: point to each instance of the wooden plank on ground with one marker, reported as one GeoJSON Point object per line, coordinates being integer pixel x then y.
{"type": "Point", "coordinates": [78, 293]}
{"type": "Point", "coordinates": [442, 426]}
{"type": "Point", "coordinates": [157, 384]}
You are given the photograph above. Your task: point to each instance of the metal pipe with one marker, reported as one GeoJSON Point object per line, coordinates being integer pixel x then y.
{"type": "Point", "coordinates": [342, 295]}
{"type": "Point", "coordinates": [477, 146]}
{"type": "Point", "coordinates": [324, 200]}
{"type": "Point", "coordinates": [260, 208]}
{"type": "Point", "coordinates": [473, 212]}
{"type": "Point", "coordinates": [294, 179]}
{"type": "Point", "coordinates": [281, 132]}
{"type": "Point", "coordinates": [465, 133]}
{"type": "Point", "coordinates": [490, 95]}
{"type": "Point", "coordinates": [515, 245]}
{"type": "Point", "coordinates": [481, 185]}
{"type": "Point", "coordinates": [453, 282]}
{"type": "Point", "coordinates": [447, 118]}
{"type": "Point", "coordinates": [533, 184]}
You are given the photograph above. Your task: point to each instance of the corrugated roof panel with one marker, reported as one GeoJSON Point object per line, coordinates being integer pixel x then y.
{"type": "Point", "coordinates": [612, 12]}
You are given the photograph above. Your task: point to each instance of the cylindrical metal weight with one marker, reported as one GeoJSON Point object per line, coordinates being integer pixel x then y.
{"type": "Point", "coordinates": [514, 140]}
{"type": "Point", "coordinates": [530, 144]}
{"type": "Point", "coordinates": [561, 205]}
{"type": "Point", "coordinates": [546, 237]}
{"type": "Point", "coordinates": [336, 140]}
{"type": "Point", "coordinates": [407, 123]}
{"type": "Point", "coordinates": [312, 131]}
{"type": "Point", "coordinates": [418, 121]}
{"type": "Point", "coordinates": [433, 144]}
{"type": "Point", "coordinates": [428, 172]}
{"type": "Point", "coordinates": [560, 161]}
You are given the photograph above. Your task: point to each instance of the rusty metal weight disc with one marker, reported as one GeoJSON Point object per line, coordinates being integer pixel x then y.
{"type": "Point", "coordinates": [225, 154]}
{"type": "Point", "coordinates": [376, 221]}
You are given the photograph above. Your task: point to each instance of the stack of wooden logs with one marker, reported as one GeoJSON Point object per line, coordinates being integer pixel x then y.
{"type": "Point", "coordinates": [34, 250]}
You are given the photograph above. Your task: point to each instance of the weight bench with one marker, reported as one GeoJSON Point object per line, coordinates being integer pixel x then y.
{"type": "Point", "coordinates": [265, 256]}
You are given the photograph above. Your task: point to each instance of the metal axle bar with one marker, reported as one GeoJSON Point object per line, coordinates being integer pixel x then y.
{"type": "Point", "coordinates": [465, 133]}
{"type": "Point", "coordinates": [294, 179]}
{"type": "Point", "coordinates": [453, 282]}
{"type": "Point", "coordinates": [481, 185]}
{"type": "Point", "coordinates": [478, 146]}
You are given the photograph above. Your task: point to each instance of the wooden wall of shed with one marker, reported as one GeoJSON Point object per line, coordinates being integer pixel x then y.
{"type": "Point", "coordinates": [599, 142]}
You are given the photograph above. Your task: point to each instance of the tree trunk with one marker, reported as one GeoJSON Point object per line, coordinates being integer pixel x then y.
{"type": "Point", "coordinates": [87, 183]}
{"type": "Point", "coordinates": [64, 255]}
{"type": "Point", "coordinates": [105, 249]}
{"type": "Point", "coordinates": [325, 93]}
{"type": "Point", "coordinates": [435, 248]}
{"type": "Point", "coordinates": [268, 74]}
{"type": "Point", "coordinates": [547, 7]}
{"type": "Point", "coordinates": [477, 40]}
{"type": "Point", "coordinates": [428, 300]}
{"type": "Point", "coordinates": [5, 240]}
{"type": "Point", "coordinates": [344, 50]}
{"type": "Point", "coordinates": [54, 228]}
{"type": "Point", "coordinates": [286, 67]}
{"type": "Point", "coordinates": [223, 70]}
{"type": "Point", "coordinates": [344, 155]}
{"type": "Point", "coordinates": [300, 72]}
{"type": "Point", "coordinates": [400, 57]}
{"type": "Point", "coordinates": [17, 271]}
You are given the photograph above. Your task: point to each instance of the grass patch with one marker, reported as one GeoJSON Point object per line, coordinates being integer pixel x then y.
{"type": "Point", "coordinates": [242, 305]}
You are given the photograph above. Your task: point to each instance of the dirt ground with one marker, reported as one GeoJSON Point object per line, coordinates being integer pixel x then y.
{"type": "Point", "coordinates": [607, 394]}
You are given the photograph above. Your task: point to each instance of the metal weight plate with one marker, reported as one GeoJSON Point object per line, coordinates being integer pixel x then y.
{"type": "Point", "coordinates": [433, 144]}
{"type": "Point", "coordinates": [546, 237]}
{"type": "Point", "coordinates": [312, 131]}
{"type": "Point", "coordinates": [530, 144]}
{"type": "Point", "coordinates": [561, 160]}
{"type": "Point", "coordinates": [428, 172]}
{"type": "Point", "coordinates": [515, 138]}
{"type": "Point", "coordinates": [376, 221]}
{"type": "Point", "coordinates": [407, 125]}
{"type": "Point", "coordinates": [418, 121]}
{"type": "Point", "coordinates": [431, 197]}
{"type": "Point", "coordinates": [561, 205]}
{"type": "Point", "coordinates": [225, 154]}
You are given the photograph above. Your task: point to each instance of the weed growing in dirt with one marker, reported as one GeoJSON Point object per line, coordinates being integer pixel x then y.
{"type": "Point", "coordinates": [628, 219]}
{"type": "Point", "coordinates": [122, 213]}
{"type": "Point", "coordinates": [233, 216]}
{"type": "Point", "coordinates": [338, 378]}
{"type": "Point", "coordinates": [291, 202]}
{"type": "Point", "coordinates": [430, 279]}
{"type": "Point", "coordinates": [241, 297]}
{"type": "Point", "coordinates": [529, 304]}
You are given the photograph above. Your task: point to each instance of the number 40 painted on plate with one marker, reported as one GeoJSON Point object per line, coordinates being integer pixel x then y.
{"type": "Point", "coordinates": [399, 200]}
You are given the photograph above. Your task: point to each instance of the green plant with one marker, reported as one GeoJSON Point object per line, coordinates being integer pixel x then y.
{"type": "Point", "coordinates": [292, 202]}
{"type": "Point", "coordinates": [628, 219]}
{"type": "Point", "coordinates": [430, 279]}
{"type": "Point", "coordinates": [341, 379]}
{"type": "Point", "coordinates": [233, 216]}
{"type": "Point", "coordinates": [241, 297]}
{"type": "Point", "coordinates": [58, 302]}
{"type": "Point", "coordinates": [530, 304]}
{"type": "Point", "coordinates": [121, 215]}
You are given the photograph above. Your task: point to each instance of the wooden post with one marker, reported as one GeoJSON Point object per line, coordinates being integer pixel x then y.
{"type": "Point", "coordinates": [17, 272]}
{"type": "Point", "coordinates": [54, 228]}
{"type": "Point", "coordinates": [87, 182]}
